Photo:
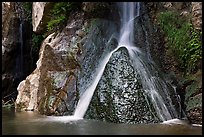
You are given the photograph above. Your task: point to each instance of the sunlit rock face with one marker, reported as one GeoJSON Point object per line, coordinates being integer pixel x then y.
{"type": "Point", "coordinates": [51, 87]}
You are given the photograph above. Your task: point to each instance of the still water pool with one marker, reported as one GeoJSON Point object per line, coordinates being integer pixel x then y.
{"type": "Point", "coordinates": [31, 123]}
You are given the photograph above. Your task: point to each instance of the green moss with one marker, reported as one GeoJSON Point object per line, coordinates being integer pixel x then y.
{"type": "Point", "coordinates": [183, 40]}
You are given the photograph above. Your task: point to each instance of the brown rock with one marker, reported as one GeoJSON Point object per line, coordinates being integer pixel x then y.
{"type": "Point", "coordinates": [197, 15]}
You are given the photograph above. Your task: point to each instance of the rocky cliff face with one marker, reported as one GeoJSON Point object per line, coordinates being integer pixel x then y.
{"type": "Point", "coordinates": [51, 88]}
{"type": "Point", "coordinates": [16, 43]}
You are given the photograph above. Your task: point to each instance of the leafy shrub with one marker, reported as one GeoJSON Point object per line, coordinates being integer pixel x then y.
{"type": "Point", "coordinates": [36, 41]}
{"type": "Point", "coordinates": [183, 39]}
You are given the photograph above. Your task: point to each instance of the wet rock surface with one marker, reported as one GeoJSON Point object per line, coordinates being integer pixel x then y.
{"type": "Point", "coordinates": [119, 96]}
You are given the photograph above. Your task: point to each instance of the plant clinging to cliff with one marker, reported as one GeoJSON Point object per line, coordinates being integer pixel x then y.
{"type": "Point", "coordinates": [60, 13]}
{"type": "Point", "coordinates": [183, 40]}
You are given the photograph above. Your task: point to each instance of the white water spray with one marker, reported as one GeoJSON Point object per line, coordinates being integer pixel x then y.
{"type": "Point", "coordinates": [151, 84]}
{"type": "Point", "coordinates": [85, 99]}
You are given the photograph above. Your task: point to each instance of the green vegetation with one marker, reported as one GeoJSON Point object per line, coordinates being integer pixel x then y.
{"type": "Point", "coordinates": [36, 41]}
{"type": "Point", "coordinates": [183, 40]}
{"type": "Point", "coordinates": [60, 13]}
{"type": "Point", "coordinates": [28, 10]}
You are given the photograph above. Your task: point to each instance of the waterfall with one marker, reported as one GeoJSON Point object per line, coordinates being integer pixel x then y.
{"type": "Point", "coordinates": [154, 86]}
{"type": "Point", "coordinates": [128, 14]}
{"type": "Point", "coordinates": [19, 59]}
{"type": "Point", "coordinates": [21, 47]}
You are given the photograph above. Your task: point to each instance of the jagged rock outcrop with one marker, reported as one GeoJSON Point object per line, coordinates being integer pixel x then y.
{"type": "Point", "coordinates": [119, 96]}
{"type": "Point", "coordinates": [51, 88]}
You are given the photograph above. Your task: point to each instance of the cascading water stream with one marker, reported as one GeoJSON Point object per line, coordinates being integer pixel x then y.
{"type": "Point", "coordinates": [126, 30]}
{"type": "Point", "coordinates": [155, 88]}
{"type": "Point", "coordinates": [19, 59]}
{"type": "Point", "coordinates": [152, 85]}
{"type": "Point", "coordinates": [85, 99]}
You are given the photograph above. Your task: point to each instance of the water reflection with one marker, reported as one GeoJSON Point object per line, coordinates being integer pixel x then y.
{"type": "Point", "coordinates": [30, 123]}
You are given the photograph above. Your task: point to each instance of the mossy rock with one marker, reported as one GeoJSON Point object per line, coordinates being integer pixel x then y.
{"type": "Point", "coordinates": [194, 102]}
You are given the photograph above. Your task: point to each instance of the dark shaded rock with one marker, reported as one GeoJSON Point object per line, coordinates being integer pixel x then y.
{"type": "Point", "coordinates": [16, 48]}
{"type": "Point", "coordinates": [98, 43]}
{"type": "Point", "coordinates": [96, 9]}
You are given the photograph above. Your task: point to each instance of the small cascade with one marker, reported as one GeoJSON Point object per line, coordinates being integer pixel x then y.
{"type": "Point", "coordinates": [21, 47]}
{"type": "Point", "coordinates": [85, 99]}
{"type": "Point", "coordinates": [19, 60]}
